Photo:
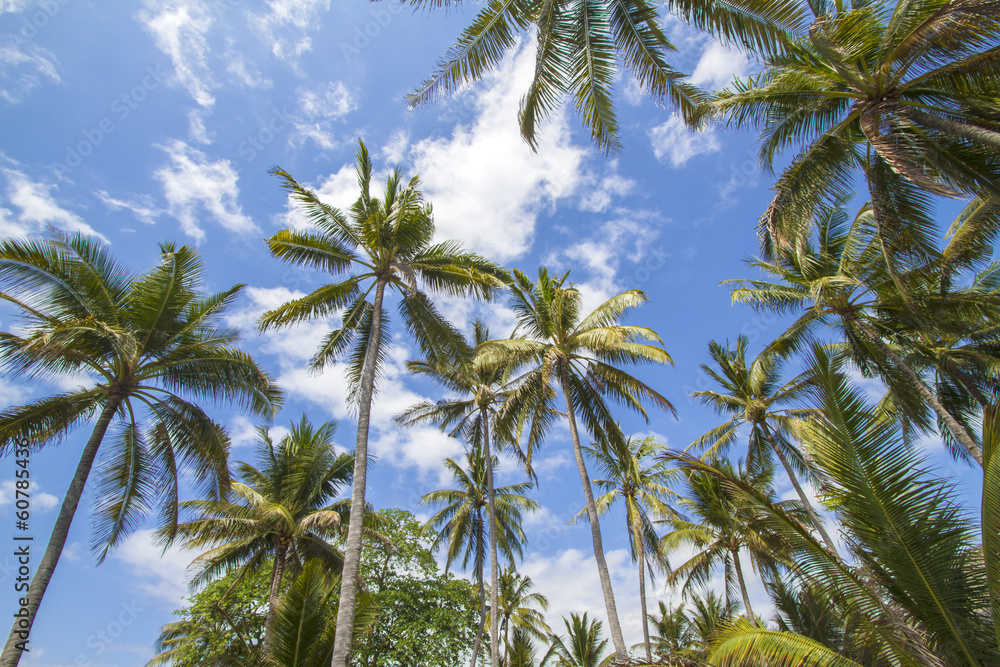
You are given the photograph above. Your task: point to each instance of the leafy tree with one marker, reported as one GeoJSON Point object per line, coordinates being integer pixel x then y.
{"type": "Point", "coordinates": [227, 617]}
{"type": "Point", "coordinates": [473, 417]}
{"type": "Point", "coordinates": [674, 636]}
{"type": "Point", "coordinates": [156, 346]}
{"type": "Point", "coordinates": [460, 524]}
{"type": "Point", "coordinates": [285, 513]}
{"type": "Point", "coordinates": [582, 646]}
{"type": "Point", "coordinates": [425, 618]}
{"type": "Point", "coordinates": [903, 92]}
{"type": "Point", "coordinates": [582, 354]}
{"type": "Point", "coordinates": [751, 395]}
{"type": "Point", "coordinates": [640, 482]}
{"type": "Point", "coordinates": [380, 244]}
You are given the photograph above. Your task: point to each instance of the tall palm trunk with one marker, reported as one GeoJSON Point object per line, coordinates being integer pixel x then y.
{"type": "Point", "coordinates": [352, 547]}
{"type": "Point", "coordinates": [957, 429]}
{"type": "Point", "coordinates": [743, 584]}
{"type": "Point", "coordinates": [621, 652]}
{"type": "Point", "coordinates": [491, 510]}
{"type": "Point", "coordinates": [47, 565]}
{"type": "Point", "coordinates": [482, 604]}
{"type": "Point", "coordinates": [637, 537]}
{"type": "Point", "coordinates": [277, 572]}
{"type": "Point", "coordinates": [798, 489]}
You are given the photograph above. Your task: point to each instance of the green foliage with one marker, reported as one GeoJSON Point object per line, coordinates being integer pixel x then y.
{"type": "Point", "coordinates": [225, 618]}
{"type": "Point", "coordinates": [426, 618]}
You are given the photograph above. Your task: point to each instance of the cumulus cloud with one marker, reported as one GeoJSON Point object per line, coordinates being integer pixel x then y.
{"type": "Point", "coordinates": [487, 186]}
{"type": "Point", "coordinates": [194, 186]}
{"type": "Point", "coordinates": [718, 66]}
{"type": "Point", "coordinates": [675, 143]}
{"type": "Point", "coordinates": [35, 204]}
{"type": "Point", "coordinates": [40, 501]}
{"type": "Point", "coordinates": [158, 574]}
{"type": "Point", "coordinates": [180, 30]}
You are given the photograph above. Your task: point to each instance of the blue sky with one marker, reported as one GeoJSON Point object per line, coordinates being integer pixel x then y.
{"type": "Point", "coordinates": [153, 121]}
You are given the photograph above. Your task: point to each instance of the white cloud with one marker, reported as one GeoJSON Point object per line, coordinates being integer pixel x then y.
{"type": "Point", "coordinates": [673, 141]}
{"type": "Point", "coordinates": [141, 207]}
{"type": "Point", "coordinates": [321, 107]}
{"type": "Point", "coordinates": [284, 24]}
{"type": "Point", "coordinates": [718, 66]}
{"type": "Point", "coordinates": [598, 197]}
{"type": "Point", "coordinates": [40, 501]}
{"type": "Point", "coordinates": [156, 573]}
{"type": "Point", "coordinates": [180, 29]}
{"type": "Point", "coordinates": [242, 72]}
{"type": "Point", "coordinates": [486, 185]}
{"type": "Point", "coordinates": [196, 127]}
{"type": "Point", "coordinates": [24, 65]}
{"type": "Point", "coordinates": [37, 206]}
{"type": "Point", "coordinates": [194, 186]}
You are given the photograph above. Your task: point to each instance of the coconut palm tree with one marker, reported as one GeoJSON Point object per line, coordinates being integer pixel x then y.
{"type": "Point", "coordinates": [460, 524]}
{"type": "Point", "coordinates": [581, 353]}
{"type": "Point", "coordinates": [725, 525]}
{"type": "Point", "coordinates": [516, 608]}
{"type": "Point", "coordinates": [152, 346]}
{"type": "Point", "coordinates": [581, 647]}
{"type": "Point", "coordinates": [674, 638]}
{"type": "Point", "coordinates": [751, 395]}
{"type": "Point", "coordinates": [902, 92]}
{"type": "Point", "coordinates": [918, 589]}
{"type": "Point", "coordinates": [379, 245]}
{"type": "Point", "coordinates": [636, 476]}
{"type": "Point", "coordinates": [285, 513]}
{"type": "Point", "coordinates": [472, 416]}
{"type": "Point", "coordinates": [840, 278]}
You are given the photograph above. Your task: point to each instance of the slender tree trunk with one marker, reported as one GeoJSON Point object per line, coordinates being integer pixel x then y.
{"type": "Point", "coordinates": [640, 548]}
{"type": "Point", "coordinates": [47, 565]}
{"type": "Point", "coordinates": [798, 489]}
{"type": "Point", "coordinates": [957, 429]}
{"type": "Point", "coordinates": [743, 584]}
{"type": "Point", "coordinates": [621, 652]}
{"type": "Point", "coordinates": [277, 572]}
{"type": "Point", "coordinates": [492, 512]}
{"type": "Point", "coordinates": [482, 605]}
{"type": "Point", "coordinates": [352, 547]}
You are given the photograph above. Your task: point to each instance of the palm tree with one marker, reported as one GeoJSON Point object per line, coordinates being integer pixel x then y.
{"type": "Point", "coordinates": [751, 395]}
{"type": "Point", "coordinates": [389, 242]}
{"type": "Point", "coordinates": [578, 47]}
{"type": "Point", "coordinates": [582, 646]}
{"type": "Point", "coordinates": [521, 652]}
{"type": "Point", "coordinates": [904, 92]}
{"type": "Point", "coordinates": [286, 513]}
{"type": "Point", "coordinates": [641, 484]}
{"type": "Point", "coordinates": [918, 588]}
{"type": "Point", "coordinates": [674, 636]}
{"type": "Point", "coordinates": [842, 278]}
{"type": "Point", "coordinates": [156, 346]}
{"type": "Point", "coordinates": [515, 608]}
{"type": "Point", "coordinates": [725, 526]}
{"type": "Point", "coordinates": [461, 526]}
{"type": "Point", "coordinates": [581, 354]}
{"type": "Point", "coordinates": [473, 417]}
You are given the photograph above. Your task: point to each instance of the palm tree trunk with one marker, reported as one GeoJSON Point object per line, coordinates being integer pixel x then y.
{"type": "Point", "coordinates": [482, 604]}
{"type": "Point", "coordinates": [798, 489]}
{"type": "Point", "coordinates": [352, 546]}
{"type": "Point", "coordinates": [19, 633]}
{"type": "Point", "coordinates": [957, 429]}
{"type": "Point", "coordinates": [621, 652]}
{"type": "Point", "coordinates": [642, 589]}
{"type": "Point", "coordinates": [277, 572]}
{"type": "Point", "coordinates": [743, 584]}
{"type": "Point", "coordinates": [492, 512]}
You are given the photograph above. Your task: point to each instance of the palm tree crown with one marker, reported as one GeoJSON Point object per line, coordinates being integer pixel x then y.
{"type": "Point", "coordinates": [157, 347]}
